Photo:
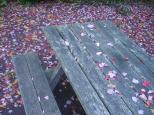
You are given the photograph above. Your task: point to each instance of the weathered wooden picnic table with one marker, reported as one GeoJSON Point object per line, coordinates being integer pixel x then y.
{"type": "Point", "coordinates": [106, 70]}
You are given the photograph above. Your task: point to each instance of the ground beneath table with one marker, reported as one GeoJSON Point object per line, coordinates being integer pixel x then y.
{"type": "Point", "coordinates": [20, 32]}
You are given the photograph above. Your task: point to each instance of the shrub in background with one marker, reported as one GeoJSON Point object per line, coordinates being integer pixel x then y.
{"type": "Point", "coordinates": [26, 2]}
{"type": "Point", "coordinates": [3, 3]}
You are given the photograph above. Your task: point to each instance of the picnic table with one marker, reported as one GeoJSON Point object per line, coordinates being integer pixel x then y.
{"type": "Point", "coordinates": [109, 73]}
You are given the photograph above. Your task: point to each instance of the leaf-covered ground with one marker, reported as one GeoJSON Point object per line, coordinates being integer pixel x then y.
{"type": "Point", "coordinates": [20, 32]}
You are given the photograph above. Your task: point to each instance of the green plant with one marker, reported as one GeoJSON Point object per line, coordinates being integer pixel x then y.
{"type": "Point", "coordinates": [26, 2]}
{"type": "Point", "coordinates": [3, 3]}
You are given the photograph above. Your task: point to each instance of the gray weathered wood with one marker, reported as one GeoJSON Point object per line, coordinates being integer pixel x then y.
{"type": "Point", "coordinates": [95, 78]}
{"type": "Point", "coordinates": [91, 103]}
{"type": "Point", "coordinates": [45, 102]}
{"type": "Point", "coordinates": [120, 51]}
{"type": "Point", "coordinates": [28, 92]}
{"type": "Point", "coordinates": [54, 76]}
{"type": "Point", "coordinates": [125, 89]}
{"type": "Point", "coordinates": [132, 47]}
{"type": "Point", "coordinates": [114, 53]}
{"type": "Point", "coordinates": [43, 90]}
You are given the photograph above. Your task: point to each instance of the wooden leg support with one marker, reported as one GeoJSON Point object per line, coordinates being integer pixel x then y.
{"type": "Point", "coordinates": [53, 76]}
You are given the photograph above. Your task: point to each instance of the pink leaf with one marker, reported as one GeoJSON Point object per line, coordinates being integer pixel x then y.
{"type": "Point", "coordinates": [146, 83]}
{"type": "Point", "coordinates": [148, 103]}
{"type": "Point", "coordinates": [143, 97]}
{"type": "Point", "coordinates": [46, 97]}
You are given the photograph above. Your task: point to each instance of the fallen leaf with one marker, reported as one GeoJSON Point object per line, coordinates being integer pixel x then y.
{"type": "Point", "coordinates": [90, 26]}
{"type": "Point", "coordinates": [150, 91]}
{"type": "Point", "coordinates": [98, 53]}
{"type": "Point", "coordinates": [107, 77]}
{"type": "Point", "coordinates": [97, 44]}
{"type": "Point", "coordinates": [135, 99]}
{"type": "Point", "coordinates": [148, 103]}
{"type": "Point", "coordinates": [140, 112]}
{"type": "Point", "coordinates": [112, 74]}
{"type": "Point", "coordinates": [146, 83]}
{"type": "Point", "coordinates": [68, 102]}
{"type": "Point", "coordinates": [66, 43]}
{"type": "Point", "coordinates": [143, 97]}
{"type": "Point", "coordinates": [83, 34]}
{"type": "Point", "coordinates": [124, 74]}
{"type": "Point", "coordinates": [46, 97]}
{"type": "Point", "coordinates": [135, 81]}
{"type": "Point", "coordinates": [150, 98]}
{"type": "Point", "coordinates": [39, 99]}
{"type": "Point", "coordinates": [110, 44]}
{"type": "Point", "coordinates": [102, 65]}
{"type": "Point", "coordinates": [110, 91]}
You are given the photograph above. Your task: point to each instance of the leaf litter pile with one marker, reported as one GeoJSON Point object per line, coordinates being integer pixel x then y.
{"type": "Point", "coordinates": [20, 32]}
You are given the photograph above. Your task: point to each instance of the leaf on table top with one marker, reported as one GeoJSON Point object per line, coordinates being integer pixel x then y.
{"type": "Point", "coordinates": [148, 103]}
{"type": "Point", "coordinates": [98, 53]}
{"type": "Point", "coordinates": [124, 73]}
{"type": "Point", "coordinates": [146, 83]}
{"type": "Point", "coordinates": [46, 97]}
{"type": "Point", "coordinates": [66, 43]}
{"type": "Point", "coordinates": [135, 81]}
{"type": "Point", "coordinates": [112, 74]}
{"type": "Point", "coordinates": [151, 92]}
{"type": "Point", "coordinates": [97, 44]}
{"type": "Point", "coordinates": [83, 34]}
{"type": "Point", "coordinates": [140, 112]}
{"type": "Point", "coordinates": [110, 91]}
{"type": "Point", "coordinates": [135, 99]}
{"type": "Point", "coordinates": [143, 97]}
{"type": "Point", "coordinates": [110, 44]}
{"type": "Point", "coordinates": [90, 26]}
{"type": "Point", "coordinates": [102, 65]}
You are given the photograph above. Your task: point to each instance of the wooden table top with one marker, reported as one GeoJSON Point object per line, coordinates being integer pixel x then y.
{"type": "Point", "coordinates": [109, 73]}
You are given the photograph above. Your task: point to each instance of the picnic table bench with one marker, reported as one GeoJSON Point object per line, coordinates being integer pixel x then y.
{"type": "Point", "coordinates": [105, 69]}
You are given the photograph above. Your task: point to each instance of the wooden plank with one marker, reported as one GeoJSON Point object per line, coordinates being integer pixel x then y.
{"type": "Point", "coordinates": [124, 88]}
{"type": "Point", "coordinates": [91, 103]}
{"type": "Point", "coordinates": [55, 76]}
{"type": "Point", "coordinates": [122, 51]}
{"type": "Point", "coordinates": [123, 66]}
{"type": "Point", "coordinates": [112, 54]}
{"type": "Point", "coordinates": [48, 103]}
{"type": "Point", "coordinates": [28, 92]}
{"type": "Point", "coordinates": [131, 46]}
{"type": "Point", "coordinates": [93, 75]}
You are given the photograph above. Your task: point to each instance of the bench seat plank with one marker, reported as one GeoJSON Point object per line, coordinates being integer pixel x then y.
{"type": "Point", "coordinates": [47, 100]}
{"type": "Point", "coordinates": [43, 92]}
{"type": "Point", "coordinates": [86, 94]}
{"type": "Point", "coordinates": [28, 92]}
